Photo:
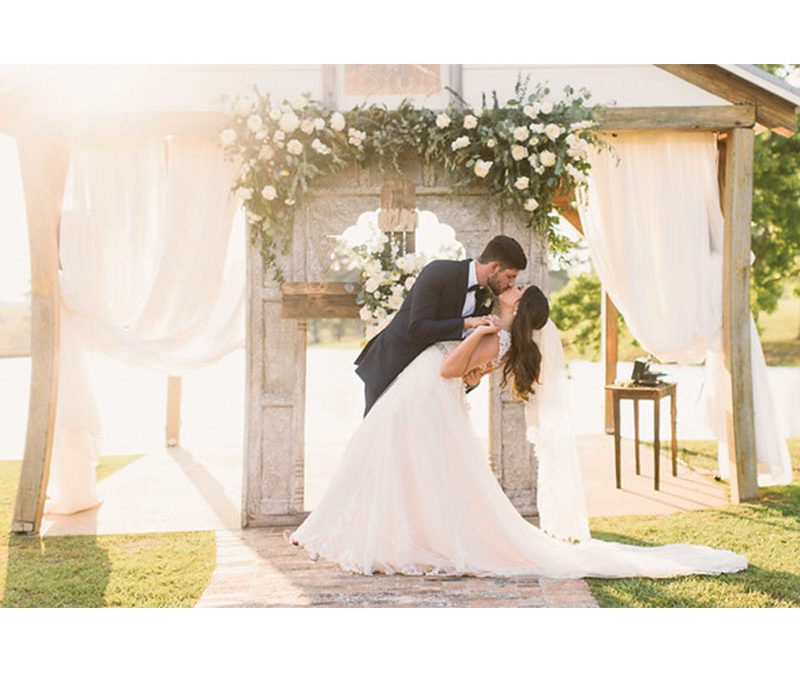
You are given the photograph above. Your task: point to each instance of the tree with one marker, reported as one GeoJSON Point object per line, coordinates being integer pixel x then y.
{"type": "Point", "coordinates": [775, 238]}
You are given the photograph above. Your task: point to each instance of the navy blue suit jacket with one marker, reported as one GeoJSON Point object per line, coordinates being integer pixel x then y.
{"type": "Point", "coordinates": [430, 313]}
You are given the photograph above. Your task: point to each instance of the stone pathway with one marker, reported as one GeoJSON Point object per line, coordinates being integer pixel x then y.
{"type": "Point", "coordinates": [257, 568]}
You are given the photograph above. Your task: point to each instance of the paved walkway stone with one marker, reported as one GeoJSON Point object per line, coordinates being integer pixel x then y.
{"type": "Point", "coordinates": [257, 568]}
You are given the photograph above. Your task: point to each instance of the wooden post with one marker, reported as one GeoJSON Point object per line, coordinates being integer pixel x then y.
{"type": "Point", "coordinates": [737, 204]}
{"type": "Point", "coordinates": [43, 164]}
{"type": "Point", "coordinates": [174, 410]}
{"type": "Point", "coordinates": [609, 346]}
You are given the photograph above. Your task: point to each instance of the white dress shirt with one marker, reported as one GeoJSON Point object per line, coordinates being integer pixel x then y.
{"type": "Point", "coordinates": [469, 301]}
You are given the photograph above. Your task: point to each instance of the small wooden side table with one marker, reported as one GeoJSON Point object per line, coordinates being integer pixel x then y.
{"type": "Point", "coordinates": [637, 393]}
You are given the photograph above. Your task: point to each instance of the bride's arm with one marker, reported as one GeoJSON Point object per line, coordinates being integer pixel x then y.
{"type": "Point", "coordinates": [477, 349]}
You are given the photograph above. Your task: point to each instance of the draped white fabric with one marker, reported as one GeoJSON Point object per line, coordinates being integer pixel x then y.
{"type": "Point", "coordinates": [153, 273]}
{"type": "Point", "coordinates": [560, 494]}
{"type": "Point", "coordinates": [652, 219]}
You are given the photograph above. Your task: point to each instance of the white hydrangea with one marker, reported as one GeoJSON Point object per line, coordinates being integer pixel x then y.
{"type": "Point", "coordinates": [532, 110]}
{"type": "Point", "coordinates": [521, 133]}
{"type": "Point", "coordinates": [460, 142]}
{"type": "Point", "coordinates": [536, 128]}
{"type": "Point", "coordinates": [243, 107]}
{"type": "Point", "coordinates": [228, 137]}
{"type": "Point", "coordinates": [266, 153]}
{"type": "Point", "coordinates": [372, 284]}
{"type": "Point", "coordinates": [552, 131]}
{"type": "Point", "coordinates": [254, 123]}
{"type": "Point", "coordinates": [470, 121]}
{"type": "Point", "coordinates": [547, 158]}
{"type": "Point", "coordinates": [337, 121]}
{"type": "Point", "coordinates": [319, 123]}
{"type": "Point", "coordinates": [443, 120]}
{"type": "Point", "coordinates": [482, 168]}
{"type": "Point", "coordinates": [320, 147]}
{"type": "Point", "coordinates": [519, 152]}
{"type": "Point", "coordinates": [531, 204]}
{"type": "Point", "coordinates": [294, 147]}
{"type": "Point", "coordinates": [269, 193]}
{"type": "Point", "coordinates": [289, 122]}
{"type": "Point", "coordinates": [355, 136]}
{"type": "Point", "coordinates": [307, 126]}
{"type": "Point", "coordinates": [522, 183]}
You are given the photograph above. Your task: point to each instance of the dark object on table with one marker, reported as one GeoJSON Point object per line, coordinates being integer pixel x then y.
{"type": "Point", "coordinates": [642, 375]}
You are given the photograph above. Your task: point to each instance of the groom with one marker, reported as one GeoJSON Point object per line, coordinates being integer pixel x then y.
{"type": "Point", "coordinates": [448, 298]}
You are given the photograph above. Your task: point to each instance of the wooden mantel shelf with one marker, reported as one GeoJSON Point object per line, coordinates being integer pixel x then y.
{"type": "Point", "coordinates": [323, 300]}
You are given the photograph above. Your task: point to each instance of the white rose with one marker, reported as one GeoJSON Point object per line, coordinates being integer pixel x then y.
{"type": "Point", "coordinates": [460, 142]}
{"type": "Point", "coordinates": [372, 284]}
{"type": "Point", "coordinates": [337, 121]}
{"type": "Point", "coordinates": [534, 140]}
{"type": "Point", "coordinates": [521, 134]}
{"type": "Point", "coordinates": [519, 152]}
{"type": "Point", "coordinates": [254, 123]}
{"type": "Point", "coordinates": [243, 107]}
{"type": "Point", "coordinates": [470, 122]}
{"type": "Point", "coordinates": [491, 143]}
{"type": "Point", "coordinates": [299, 102]}
{"type": "Point", "coordinates": [552, 131]}
{"type": "Point", "coordinates": [547, 107]}
{"type": "Point", "coordinates": [395, 301]}
{"type": "Point", "coordinates": [522, 183]}
{"type": "Point", "coordinates": [307, 126]}
{"type": "Point", "coordinates": [266, 154]}
{"type": "Point", "coordinates": [289, 122]}
{"type": "Point", "coordinates": [377, 296]}
{"type": "Point", "coordinates": [410, 282]}
{"type": "Point", "coordinates": [228, 137]}
{"type": "Point", "coordinates": [531, 204]}
{"type": "Point", "coordinates": [547, 158]}
{"type": "Point", "coordinates": [365, 314]}
{"type": "Point", "coordinates": [269, 193]}
{"type": "Point", "coordinates": [442, 120]}
{"type": "Point", "coordinates": [319, 123]}
{"type": "Point", "coordinates": [275, 114]}
{"type": "Point", "coordinates": [539, 170]}
{"type": "Point", "coordinates": [246, 193]}
{"type": "Point", "coordinates": [294, 147]}
{"type": "Point", "coordinates": [532, 111]}
{"type": "Point", "coordinates": [482, 168]}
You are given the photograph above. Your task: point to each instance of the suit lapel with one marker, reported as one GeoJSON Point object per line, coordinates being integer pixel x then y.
{"type": "Point", "coordinates": [460, 290]}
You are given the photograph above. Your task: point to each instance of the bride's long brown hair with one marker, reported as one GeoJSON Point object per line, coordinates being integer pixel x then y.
{"type": "Point", "coordinates": [524, 359]}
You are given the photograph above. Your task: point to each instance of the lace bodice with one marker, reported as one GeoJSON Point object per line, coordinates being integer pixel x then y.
{"type": "Point", "coordinates": [505, 342]}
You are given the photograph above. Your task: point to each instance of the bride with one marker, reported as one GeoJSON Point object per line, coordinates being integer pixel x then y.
{"type": "Point", "coordinates": [414, 492]}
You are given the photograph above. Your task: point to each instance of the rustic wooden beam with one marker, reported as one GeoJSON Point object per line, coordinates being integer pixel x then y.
{"type": "Point", "coordinates": [771, 110]}
{"type": "Point", "coordinates": [325, 300]}
{"type": "Point", "coordinates": [737, 204]}
{"type": "Point", "coordinates": [610, 351]}
{"type": "Point", "coordinates": [563, 202]}
{"type": "Point", "coordinates": [174, 385]}
{"type": "Point", "coordinates": [43, 164]}
{"type": "Point", "coordinates": [691, 118]}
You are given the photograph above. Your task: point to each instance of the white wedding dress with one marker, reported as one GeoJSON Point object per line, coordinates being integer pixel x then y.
{"type": "Point", "coordinates": [414, 494]}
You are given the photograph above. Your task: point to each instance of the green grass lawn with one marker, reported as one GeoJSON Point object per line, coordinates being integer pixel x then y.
{"type": "Point", "coordinates": [767, 531]}
{"type": "Point", "coordinates": [140, 570]}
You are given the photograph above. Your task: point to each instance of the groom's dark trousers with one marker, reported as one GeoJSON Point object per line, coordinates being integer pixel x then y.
{"type": "Point", "coordinates": [430, 313]}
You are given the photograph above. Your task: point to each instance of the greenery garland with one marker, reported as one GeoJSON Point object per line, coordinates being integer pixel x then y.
{"type": "Point", "coordinates": [524, 152]}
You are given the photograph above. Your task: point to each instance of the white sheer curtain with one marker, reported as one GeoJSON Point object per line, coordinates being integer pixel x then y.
{"type": "Point", "coordinates": [150, 275]}
{"type": "Point", "coordinates": [652, 219]}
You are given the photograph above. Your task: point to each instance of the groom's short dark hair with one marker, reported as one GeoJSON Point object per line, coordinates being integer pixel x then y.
{"type": "Point", "coordinates": [506, 251]}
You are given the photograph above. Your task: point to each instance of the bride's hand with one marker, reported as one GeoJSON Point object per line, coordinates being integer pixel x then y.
{"type": "Point", "coordinates": [488, 328]}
